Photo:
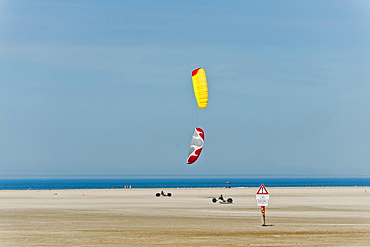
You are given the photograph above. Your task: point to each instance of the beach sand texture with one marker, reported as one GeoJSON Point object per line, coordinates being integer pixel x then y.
{"type": "Point", "coordinates": [306, 216]}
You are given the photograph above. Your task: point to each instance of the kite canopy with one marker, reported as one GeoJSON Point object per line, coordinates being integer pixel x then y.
{"type": "Point", "coordinates": [200, 87]}
{"type": "Point", "coordinates": [196, 145]}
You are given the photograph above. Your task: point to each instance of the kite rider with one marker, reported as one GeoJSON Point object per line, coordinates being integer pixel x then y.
{"type": "Point", "coordinates": [221, 198]}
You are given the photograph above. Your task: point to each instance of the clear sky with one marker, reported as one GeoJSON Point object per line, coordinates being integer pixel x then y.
{"type": "Point", "coordinates": [103, 88]}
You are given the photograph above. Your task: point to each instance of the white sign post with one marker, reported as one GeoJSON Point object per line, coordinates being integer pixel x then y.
{"type": "Point", "coordinates": [262, 197]}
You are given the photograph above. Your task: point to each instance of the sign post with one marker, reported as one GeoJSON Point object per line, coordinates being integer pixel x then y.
{"type": "Point", "coordinates": [262, 197]}
{"type": "Point", "coordinates": [263, 213]}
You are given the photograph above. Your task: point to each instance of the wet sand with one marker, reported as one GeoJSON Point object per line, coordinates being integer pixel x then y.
{"type": "Point", "coordinates": [337, 216]}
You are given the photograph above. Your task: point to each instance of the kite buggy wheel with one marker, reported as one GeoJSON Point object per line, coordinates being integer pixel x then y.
{"type": "Point", "coordinates": [229, 200]}
{"type": "Point", "coordinates": [169, 194]}
{"type": "Point", "coordinates": [214, 200]}
{"type": "Point", "coordinates": [158, 194]}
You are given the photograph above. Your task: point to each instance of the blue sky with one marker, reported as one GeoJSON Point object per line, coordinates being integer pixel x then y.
{"type": "Point", "coordinates": [103, 88]}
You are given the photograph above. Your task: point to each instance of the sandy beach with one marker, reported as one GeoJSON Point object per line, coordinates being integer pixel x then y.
{"type": "Point", "coordinates": [312, 216]}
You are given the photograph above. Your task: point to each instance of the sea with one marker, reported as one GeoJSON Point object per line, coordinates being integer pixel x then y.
{"type": "Point", "coordinates": [132, 183]}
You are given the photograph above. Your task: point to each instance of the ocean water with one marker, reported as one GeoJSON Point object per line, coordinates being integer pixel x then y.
{"type": "Point", "coordinates": [109, 183]}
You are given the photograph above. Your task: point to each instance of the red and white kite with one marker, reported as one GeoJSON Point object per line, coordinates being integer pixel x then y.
{"type": "Point", "coordinates": [196, 145]}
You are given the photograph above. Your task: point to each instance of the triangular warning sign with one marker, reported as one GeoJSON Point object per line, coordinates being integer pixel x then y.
{"type": "Point", "coordinates": [262, 190]}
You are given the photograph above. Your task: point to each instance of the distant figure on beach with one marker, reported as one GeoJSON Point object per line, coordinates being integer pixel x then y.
{"type": "Point", "coordinates": [162, 193]}
{"type": "Point", "coordinates": [221, 198]}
